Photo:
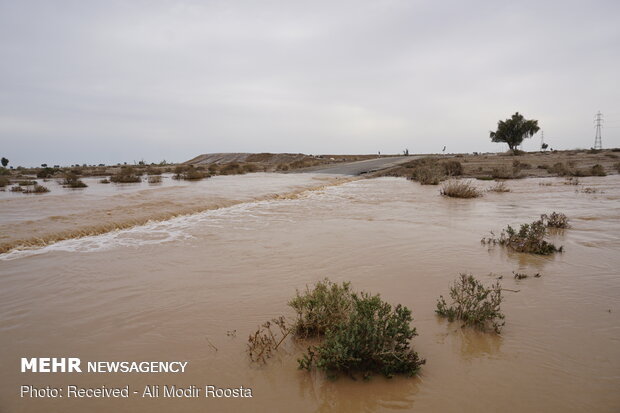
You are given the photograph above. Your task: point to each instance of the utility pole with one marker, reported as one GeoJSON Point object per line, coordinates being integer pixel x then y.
{"type": "Point", "coordinates": [598, 121]}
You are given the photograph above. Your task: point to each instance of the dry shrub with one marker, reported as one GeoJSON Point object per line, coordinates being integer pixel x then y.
{"type": "Point", "coordinates": [232, 168]}
{"type": "Point", "coordinates": [473, 303]}
{"type": "Point", "coordinates": [127, 174]}
{"type": "Point", "coordinates": [555, 220]}
{"type": "Point", "coordinates": [452, 168]}
{"type": "Point", "coordinates": [36, 189]}
{"type": "Point", "coordinates": [72, 181]}
{"type": "Point", "coordinates": [499, 187]}
{"type": "Point", "coordinates": [460, 189]}
{"type": "Point", "coordinates": [265, 341]}
{"type": "Point", "coordinates": [155, 179]}
{"type": "Point", "coordinates": [598, 170]}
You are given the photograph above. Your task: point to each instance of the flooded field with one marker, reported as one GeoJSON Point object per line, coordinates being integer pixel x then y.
{"type": "Point", "coordinates": [193, 287]}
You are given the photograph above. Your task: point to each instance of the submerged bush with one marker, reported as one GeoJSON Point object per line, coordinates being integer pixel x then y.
{"type": "Point", "coordinates": [321, 308]}
{"type": "Point", "coordinates": [530, 238]}
{"type": "Point", "coordinates": [72, 181]}
{"type": "Point", "coordinates": [460, 189]}
{"type": "Point", "coordinates": [36, 189]}
{"type": "Point", "coordinates": [127, 174]}
{"type": "Point", "coordinates": [473, 304]}
{"type": "Point", "coordinates": [265, 341]}
{"type": "Point", "coordinates": [374, 338]}
{"type": "Point", "coordinates": [189, 173]}
{"type": "Point", "coordinates": [499, 187]}
{"type": "Point", "coordinates": [555, 220]}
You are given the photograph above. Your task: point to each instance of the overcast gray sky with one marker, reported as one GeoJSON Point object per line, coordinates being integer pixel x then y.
{"type": "Point", "coordinates": [111, 81]}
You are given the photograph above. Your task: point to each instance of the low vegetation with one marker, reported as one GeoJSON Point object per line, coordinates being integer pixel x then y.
{"type": "Point", "coordinates": [499, 187]}
{"type": "Point", "coordinates": [359, 333]}
{"type": "Point", "coordinates": [320, 308]}
{"type": "Point", "coordinates": [126, 175]}
{"type": "Point", "coordinates": [266, 339]}
{"type": "Point", "coordinates": [473, 303]}
{"type": "Point", "coordinates": [555, 220]}
{"type": "Point", "coordinates": [36, 189]}
{"type": "Point", "coordinates": [598, 170]}
{"type": "Point", "coordinates": [375, 338]}
{"type": "Point", "coordinates": [154, 179]}
{"type": "Point", "coordinates": [72, 181]}
{"type": "Point", "coordinates": [190, 173]}
{"type": "Point", "coordinates": [460, 189]}
{"type": "Point", "coordinates": [530, 238]}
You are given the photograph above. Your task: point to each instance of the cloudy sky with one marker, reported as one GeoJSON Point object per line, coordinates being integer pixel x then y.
{"type": "Point", "coordinates": [111, 81]}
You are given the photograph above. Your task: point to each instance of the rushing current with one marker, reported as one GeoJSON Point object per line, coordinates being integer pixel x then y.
{"type": "Point", "coordinates": [188, 271]}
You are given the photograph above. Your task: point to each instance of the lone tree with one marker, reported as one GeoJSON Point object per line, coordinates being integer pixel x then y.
{"type": "Point", "coordinates": [512, 131]}
{"type": "Point", "coordinates": [4, 161]}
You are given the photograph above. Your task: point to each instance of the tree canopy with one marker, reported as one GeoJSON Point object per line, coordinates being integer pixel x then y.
{"type": "Point", "coordinates": [5, 162]}
{"type": "Point", "coordinates": [512, 131]}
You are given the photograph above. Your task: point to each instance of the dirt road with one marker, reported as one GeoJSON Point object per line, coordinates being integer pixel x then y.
{"type": "Point", "coordinates": [359, 167]}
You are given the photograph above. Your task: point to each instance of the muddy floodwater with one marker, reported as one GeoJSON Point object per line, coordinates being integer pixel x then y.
{"type": "Point", "coordinates": [193, 287]}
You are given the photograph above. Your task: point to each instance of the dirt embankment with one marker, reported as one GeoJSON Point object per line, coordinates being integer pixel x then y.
{"type": "Point", "coordinates": [507, 166]}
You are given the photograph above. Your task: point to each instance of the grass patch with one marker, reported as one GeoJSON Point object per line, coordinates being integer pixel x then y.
{"type": "Point", "coordinates": [26, 183]}
{"type": "Point", "coordinates": [460, 189]}
{"type": "Point", "coordinates": [473, 303]}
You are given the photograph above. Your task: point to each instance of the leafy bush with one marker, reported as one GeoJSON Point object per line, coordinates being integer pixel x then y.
{"type": "Point", "coordinates": [374, 338]}
{"type": "Point", "coordinates": [555, 220]}
{"type": "Point", "coordinates": [321, 308]}
{"type": "Point", "coordinates": [530, 238]}
{"type": "Point", "coordinates": [460, 189]}
{"type": "Point", "coordinates": [473, 303]}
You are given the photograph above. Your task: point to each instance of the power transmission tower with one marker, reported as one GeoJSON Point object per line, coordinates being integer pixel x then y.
{"type": "Point", "coordinates": [598, 121]}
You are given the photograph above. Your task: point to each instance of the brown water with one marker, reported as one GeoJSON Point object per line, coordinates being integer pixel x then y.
{"type": "Point", "coordinates": [171, 290]}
